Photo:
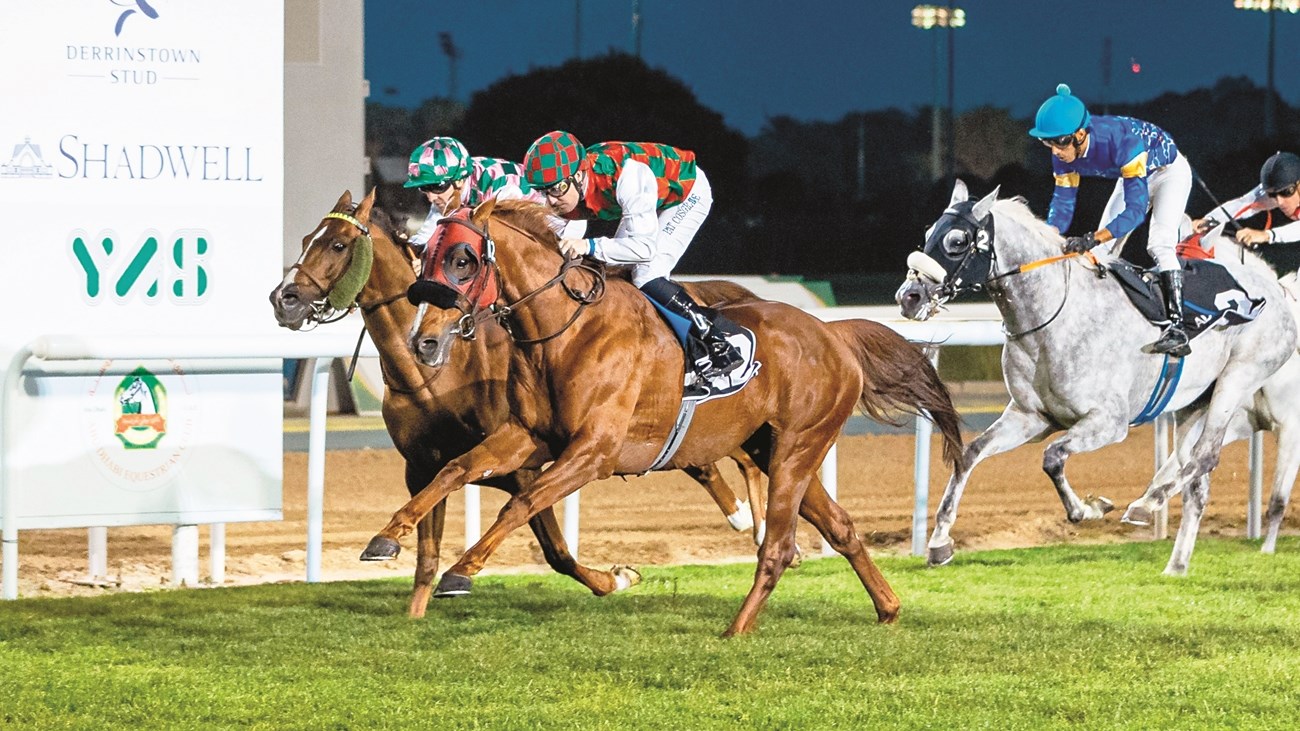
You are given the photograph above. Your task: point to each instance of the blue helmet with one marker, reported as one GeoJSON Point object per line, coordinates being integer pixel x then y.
{"type": "Point", "coordinates": [1062, 114]}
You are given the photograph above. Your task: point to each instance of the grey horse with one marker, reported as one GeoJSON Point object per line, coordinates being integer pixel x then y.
{"type": "Point", "coordinates": [1074, 360]}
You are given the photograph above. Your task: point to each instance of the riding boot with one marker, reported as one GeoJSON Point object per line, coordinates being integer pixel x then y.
{"type": "Point", "coordinates": [721, 356]}
{"type": "Point", "coordinates": [1173, 340]}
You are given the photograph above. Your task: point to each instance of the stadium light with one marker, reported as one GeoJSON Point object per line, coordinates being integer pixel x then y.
{"type": "Point", "coordinates": [1269, 6]}
{"type": "Point", "coordinates": [927, 17]}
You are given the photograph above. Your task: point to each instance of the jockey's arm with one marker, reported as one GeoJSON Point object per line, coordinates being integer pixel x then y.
{"type": "Point", "coordinates": [637, 191]}
{"type": "Point", "coordinates": [1288, 234]}
{"type": "Point", "coordinates": [421, 237]}
{"type": "Point", "coordinates": [1061, 211]}
{"type": "Point", "coordinates": [1242, 206]}
{"type": "Point", "coordinates": [1136, 199]}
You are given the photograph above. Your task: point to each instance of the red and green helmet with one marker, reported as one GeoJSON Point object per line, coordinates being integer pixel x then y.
{"type": "Point", "coordinates": [552, 158]}
{"type": "Point", "coordinates": [439, 160]}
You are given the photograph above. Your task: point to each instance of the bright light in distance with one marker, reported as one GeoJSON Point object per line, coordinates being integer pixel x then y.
{"type": "Point", "coordinates": [1134, 66]}
{"type": "Point", "coordinates": [1289, 6]}
{"type": "Point", "coordinates": [929, 16]}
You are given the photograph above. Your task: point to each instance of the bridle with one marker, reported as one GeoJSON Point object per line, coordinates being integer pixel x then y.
{"type": "Point", "coordinates": [331, 307]}
{"type": "Point", "coordinates": [475, 297]}
{"type": "Point", "coordinates": [974, 272]}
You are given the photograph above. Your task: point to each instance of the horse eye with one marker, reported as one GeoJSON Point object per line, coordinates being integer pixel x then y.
{"type": "Point", "coordinates": [339, 245]}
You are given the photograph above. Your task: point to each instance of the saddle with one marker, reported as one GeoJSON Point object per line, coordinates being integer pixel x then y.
{"type": "Point", "coordinates": [1211, 295]}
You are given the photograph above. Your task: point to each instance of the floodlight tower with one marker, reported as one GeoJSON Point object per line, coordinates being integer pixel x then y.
{"type": "Point", "coordinates": [928, 17]}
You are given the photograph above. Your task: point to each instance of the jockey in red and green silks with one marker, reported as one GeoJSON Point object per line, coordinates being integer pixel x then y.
{"type": "Point", "coordinates": [659, 197]}
{"type": "Point", "coordinates": [442, 169]}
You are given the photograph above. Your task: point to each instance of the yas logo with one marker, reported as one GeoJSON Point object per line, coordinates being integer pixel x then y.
{"type": "Point", "coordinates": [121, 272]}
{"type": "Point", "coordinates": [141, 5]}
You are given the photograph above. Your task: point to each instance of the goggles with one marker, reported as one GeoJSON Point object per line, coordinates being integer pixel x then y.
{"type": "Point", "coordinates": [557, 190]}
{"type": "Point", "coordinates": [435, 188]}
{"type": "Point", "coordinates": [1059, 142]}
{"type": "Point", "coordinates": [1286, 192]}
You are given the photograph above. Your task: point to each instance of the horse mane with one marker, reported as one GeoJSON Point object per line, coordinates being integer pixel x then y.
{"type": "Point", "coordinates": [532, 218]}
{"type": "Point", "coordinates": [1017, 209]}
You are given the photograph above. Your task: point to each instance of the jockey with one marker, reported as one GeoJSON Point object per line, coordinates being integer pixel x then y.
{"type": "Point", "coordinates": [1149, 173]}
{"type": "Point", "coordinates": [660, 199]}
{"type": "Point", "coordinates": [442, 170]}
{"type": "Point", "coordinates": [1278, 181]}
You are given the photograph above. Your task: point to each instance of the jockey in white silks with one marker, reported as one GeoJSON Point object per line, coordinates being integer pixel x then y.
{"type": "Point", "coordinates": [1279, 179]}
{"type": "Point", "coordinates": [1149, 174]}
{"type": "Point", "coordinates": [443, 171]}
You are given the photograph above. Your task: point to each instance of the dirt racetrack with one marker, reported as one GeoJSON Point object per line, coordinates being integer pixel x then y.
{"type": "Point", "coordinates": [662, 518]}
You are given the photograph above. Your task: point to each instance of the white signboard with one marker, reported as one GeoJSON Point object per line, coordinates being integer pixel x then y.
{"type": "Point", "coordinates": [141, 179]}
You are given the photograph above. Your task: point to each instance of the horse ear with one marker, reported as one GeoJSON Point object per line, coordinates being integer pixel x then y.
{"type": "Point", "coordinates": [345, 200]}
{"type": "Point", "coordinates": [483, 210]}
{"type": "Point", "coordinates": [985, 205]}
{"type": "Point", "coordinates": [959, 193]}
{"type": "Point", "coordinates": [363, 208]}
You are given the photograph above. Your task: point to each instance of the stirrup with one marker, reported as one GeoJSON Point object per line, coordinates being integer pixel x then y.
{"type": "Point", "coordinates": [1173, 341]}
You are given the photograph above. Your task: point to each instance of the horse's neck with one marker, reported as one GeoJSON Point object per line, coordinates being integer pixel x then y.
{"type": "Point", "coordinates": [546, 312]}
{"type": "Point", "coordinates": [388, 316]}
{"type": "Point", "coordinates": [1030, 298]}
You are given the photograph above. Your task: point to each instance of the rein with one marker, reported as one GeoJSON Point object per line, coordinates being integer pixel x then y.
{"type": "Point", "coordinates": [1029, 267]}
{"type": "Point", "coordinates": [582, 298]}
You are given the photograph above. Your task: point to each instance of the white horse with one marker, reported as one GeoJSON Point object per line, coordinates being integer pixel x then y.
{"type": "Point", "coordinates": [1073, 359]}
{"type": "Point", "coordinates": [1274, 407]}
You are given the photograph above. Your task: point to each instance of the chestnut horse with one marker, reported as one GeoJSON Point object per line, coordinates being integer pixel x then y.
{"type": "Point", "coordinates": [433, 416]}
{"type": "Point", "coordinates": [603, 383]}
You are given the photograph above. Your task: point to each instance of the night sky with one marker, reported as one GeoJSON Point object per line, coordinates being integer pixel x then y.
{"type": "Point", "coordinates": [753, 59]}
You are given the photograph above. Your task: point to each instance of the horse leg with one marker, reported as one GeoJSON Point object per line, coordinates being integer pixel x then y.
{"type": "Point", "coordinates": [733, 509]}
{"type": "Point", "coordinates": [551, 538]}
{"type": "Point", "coordinates": [580, 463]}
{"type": "Point", "coordinates": [1195, 497]}
{"type": "Point", "coordinates": [1284, 472]}
{"type": "Point", "coordinates": [503, 451]}
{"type": "Point", "coordinates": [1090, 433]}
{"type": "Point", "coordinates": [428, 541]}
{"type": "Point", "coordinates": [1141, 512]}
{"type": "Point", "coordinates": [795, 457]}
{"type": "Point", "coordinates": [1015, 427]}
{"type": "Point", "coordinates": [1229, 394]}
{"type": "Point", "coordinates": [833, 522]}
{"type": "Point", "coordinates": [754, 490]}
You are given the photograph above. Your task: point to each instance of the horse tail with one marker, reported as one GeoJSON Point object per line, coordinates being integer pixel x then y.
{"type": "Point", "coordinates": [897, 376]}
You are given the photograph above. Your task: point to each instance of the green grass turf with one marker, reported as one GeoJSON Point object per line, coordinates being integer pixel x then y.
{"type": "Point", "coordinates": [1057, 637]}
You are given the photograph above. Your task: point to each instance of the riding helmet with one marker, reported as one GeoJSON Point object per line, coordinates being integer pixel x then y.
{"type": "Point", "coordinates": [553, 157]}
{"type": "Point", "coordinates": [439, 160]}
{"type": "Point", "coordinates": [1062, 114]}
{"type": "Point", "coordinates": [1280, 171]}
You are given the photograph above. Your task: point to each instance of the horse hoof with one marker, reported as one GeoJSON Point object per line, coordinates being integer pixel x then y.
{"type": "Point", "coordinates": [797, 561]}
{"type": "Point", "coordinates": [453, 585]}
{"type": "Point", "coordinates": [625, 577]}
{"type": "Point", "coordinates": [1138, 515]}
{"type": "Point", "coordinates": [381, 548]}
{"type": "Point", "coordinates": [1103, 505]}
{"type": "Point", "coordinates": [940, 555]}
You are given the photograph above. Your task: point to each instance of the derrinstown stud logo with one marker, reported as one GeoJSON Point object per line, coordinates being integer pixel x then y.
{"type": "Point", "coordinates": [141, 410]}
{"type": "Point", "coordinates": [26, 162]}
{"type": "Point", "coordinates": [140, 5]}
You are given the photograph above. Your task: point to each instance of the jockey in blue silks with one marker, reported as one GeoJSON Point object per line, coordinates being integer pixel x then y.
{"type": "Point", "coordinates": [1149, 174]}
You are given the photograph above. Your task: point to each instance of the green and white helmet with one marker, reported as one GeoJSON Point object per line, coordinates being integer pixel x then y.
{"type": "Point", "coordinates": [439, 160]}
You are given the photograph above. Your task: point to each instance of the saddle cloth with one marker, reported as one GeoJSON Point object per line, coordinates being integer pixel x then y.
{"type": "Point", "coordinates": [695, 388]}
{"type": "Point", "coordinates": [1210, 295]}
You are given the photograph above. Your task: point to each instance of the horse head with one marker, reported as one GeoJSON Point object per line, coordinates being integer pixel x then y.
{"type": "Point", "coordinates": [957, 256]}
{"type": "Point", "coordinates": [458, 281]}
{"type": "Point", "coordinates": [336, 263]}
